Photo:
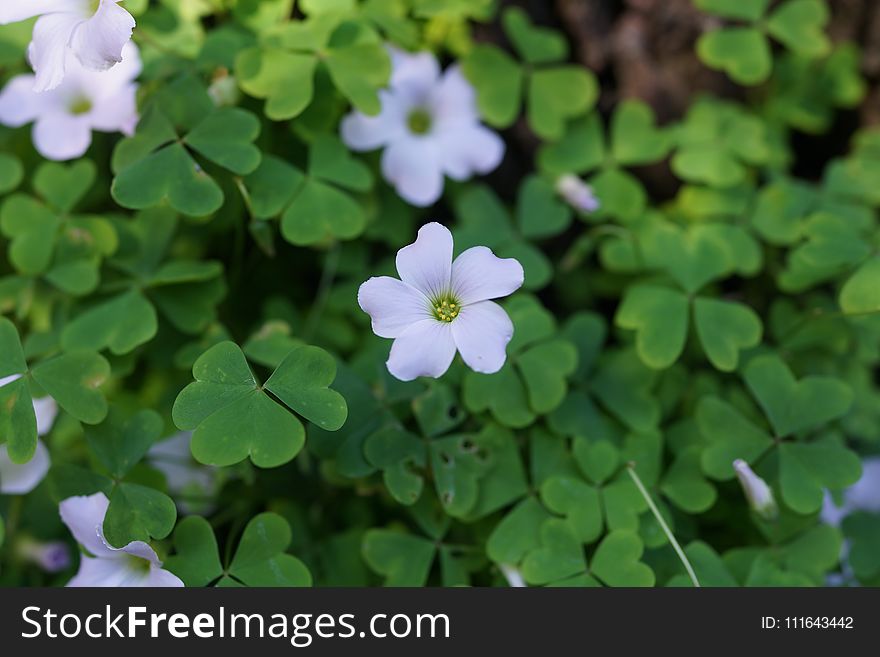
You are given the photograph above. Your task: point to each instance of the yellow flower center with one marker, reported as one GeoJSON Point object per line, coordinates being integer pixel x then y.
{"type": "Point", "coordinates": [419, 121]}
{"type": "Point", "coordinates": [445, 308]}
{"type": "Point", "coordinates": [80, 105]}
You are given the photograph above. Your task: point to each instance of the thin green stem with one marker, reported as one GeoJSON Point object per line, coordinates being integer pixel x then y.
{"type": "Point", "coordinates": [331, 264]}
{"type": "Point", "coordinates": [631, 468]}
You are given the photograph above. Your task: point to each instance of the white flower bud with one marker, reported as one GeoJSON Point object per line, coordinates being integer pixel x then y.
{"type": "Point", "coordinates": [577, 193]}
{"type": "Point", "coordinates": [757, 491]}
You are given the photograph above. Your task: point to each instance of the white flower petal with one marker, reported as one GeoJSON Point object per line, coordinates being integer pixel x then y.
{"type": "Point", "coordinates": [6, 380]}
{"type": "Point", "coordinates": [392, 305]}
{"type": "Point", "coordinates": [20, 104]}
{"type": "Point", "coordinates": [84, 517]}
{"type": "Point", "coordinates": [453, 100]}
{"type": "Point", "coordinates": [116, 113]}
{"type": "Point", "coordinates": [411, 164]}
{"type": "Point", "coordinates": [413, 75]}
{"type": "Point", "coordinates": [46, 410]}
{"type": "Point", "coordinates": [481, 333]}
{"type": "Point", "coordinates": [425, 349]}
{"type": "Point", "coordinates": [469, 149]}
{"type": "Point", "coordinates": [478, 274]}
{"type": "Point", "coordinates": [48, 51]}
{"type": "Point", "coordinates": [61, 136]}
{"type": "Point", "coordinates": [426, 264]}
{"type": "Point", "coordinates": [98, 41]}
{"type": "Point", "coordinates": [121, 573]}
{"type": "Point", "coordinates": [13, 11]}
{"type": "Point", "coordinates": [20, 479]}
{"type": "Point", "coordinates": [366, 133]}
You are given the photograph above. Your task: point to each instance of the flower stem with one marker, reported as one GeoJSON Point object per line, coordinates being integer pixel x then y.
{"type": "Point", "coordinates": [331, 263]}
{"type": "Point", "coordinates": [631, 468]}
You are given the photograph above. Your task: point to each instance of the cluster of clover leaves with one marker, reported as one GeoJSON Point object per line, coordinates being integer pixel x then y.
{"type": "Point", "coordinates": [201, 276]}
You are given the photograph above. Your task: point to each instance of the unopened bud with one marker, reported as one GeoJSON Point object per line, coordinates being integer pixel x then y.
{"type": "Point", "coordinates": [757, 492]}
{"type": "Point", "coordinates": [577, 193]}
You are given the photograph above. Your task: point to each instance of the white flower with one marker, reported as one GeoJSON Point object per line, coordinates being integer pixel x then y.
{"type": "Point", "coordinates": [191, 483]}
{"type": "Point", "coordinates": [87, 33]}
{"type": "Point", "coordinates": [136, 564]}
{"type": "Point", "coordinates": [440, 306]}
{"type": "Point", "coordinates": [864, 495]}
{"type": "Point", "coordinates": [428, 125]}
{"type": "Point", "coordinates": [22, 478]}
{"type": "Point", "coordinates": [577, 193]}
{"type": "Point", "coordinates": [65, 117]}
{"type": "Point", "coordinates": [757, 491]}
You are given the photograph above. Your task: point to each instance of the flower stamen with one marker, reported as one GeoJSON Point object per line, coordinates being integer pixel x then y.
{"type": "Point", "coordinates": [445, 308]}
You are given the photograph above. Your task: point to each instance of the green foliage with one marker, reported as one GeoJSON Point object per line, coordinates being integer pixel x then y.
{"type": "Point", "coordinates": [743, 51]}
{"type": "Point", "coordinates": [721, 303]}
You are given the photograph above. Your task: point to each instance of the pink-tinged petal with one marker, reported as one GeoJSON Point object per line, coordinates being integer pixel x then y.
{"type": "Point", "coordinates": [46, 410]}
{"type": "Point", "coordinates": [481, 333]}
{"type": "Point", "coordinates": [467, 150]}
{"type": "Point", "coordinates": [393, 306]}
{"type": "Point", "coordinates": [13, 11]}
{"type": "Point", "coordinates": [478, 275]}
{"type": "Point", "coordinates": [425, 349]}
{"type": "Point", "coordinates": [366, 133]}
{"type": "Point", "coordinates": [100, 86]}
{"type": "Point", "coordinates": [453, 101]}
{"type": "Point", "coordinates": [98, 41]}
{"type": "Point", "coordinates": [426, 264]}
{"type": "Point", "coordinates": [20, 104]}
{"type": "Point", "coordinates": [84, 517]}
{"type": "Point", "coordinates": [48, 51]}
{"type": "Point", "coordinates": [413, 75]}
{"type": "Point", "coordinates": [411, 164]}
{"type": "Point", "coordinates": [61, 136]}
{"type": "Point", "coordinates": [21, 479]}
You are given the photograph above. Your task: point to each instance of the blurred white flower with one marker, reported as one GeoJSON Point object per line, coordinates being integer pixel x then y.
{"type": "Point", "coordinates": [864, 495]}
{"type": "Point", "coordinates": [22, 478]}
{"type": "Point", "coordinates": [65, 117]}
{"type": "Point", "coordinates": [136, 564]}
{"type": "Point", "coordinates": [757, 491]}
{"type": "Point", "coordinates": [577, 193]}
{"type": "Point", "coordinates": [52, 557]}
{"type": "Point", "coordinates": [428, 125]}
{"type": "Point", "coordinates": [191, 484]}
{"type": "Point", "coordinates": [440, 306]}
{"type": "Point", "coordinates": [88, 33]}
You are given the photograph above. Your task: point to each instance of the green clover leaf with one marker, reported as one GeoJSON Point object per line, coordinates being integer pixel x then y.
{"type": "Point", "coordinates": [47, 240]}
{"type": "Point", "coordinates": [743, 52]}
{"type": "Point", "coordinates": [534, 380]}
{"type": "Point", "coordinates": [158, 163]}
{"type": "Point", "coordinates": [233, 416]}
{"type": "Point", "coordinates": [283, 67]}
{"type": "Point", "coordinates": [72, 379]}
{"type": "Point", "coordinates": [403, 559]}
{"type": "Point", "coordinates": [260, 559]}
